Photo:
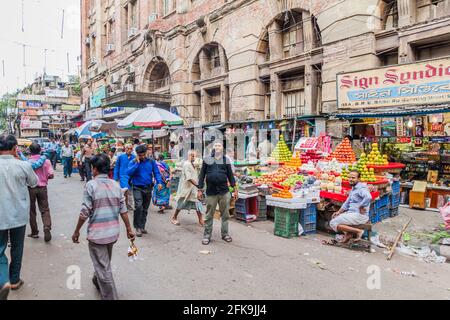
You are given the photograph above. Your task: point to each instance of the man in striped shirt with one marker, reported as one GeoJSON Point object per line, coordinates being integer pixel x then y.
{"type": "Point", "coordinates": [102, 204]}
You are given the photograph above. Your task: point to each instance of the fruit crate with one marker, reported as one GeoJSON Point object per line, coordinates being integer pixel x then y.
{"type": "Point", "coordinates": [382, 202]}
{"type": "Point", "coordinates": [174, 184]}
{"type": "Point", "coordinates": [383, 213]}
{"type": "Point", "coordinates": [262, 208]}
{"type": "Point", "coordinates": [244, 217]}
{"type": "Point", "coordinates": [395, 186]}
{"type": "Point", "coordinates": [286, 222]}
{"type": "Point", "coordinates": [393, 212]}
{"type": "Point", "coordinates": [308, 219]}
{"type": "Point", "coordinates": [247, 206]}
{"type": "Point", "coordinates": [373, 215]}
{"type": "Point", "coordinates": [394, 200]}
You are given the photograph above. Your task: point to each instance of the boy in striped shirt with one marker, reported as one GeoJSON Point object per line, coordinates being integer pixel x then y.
{"type": "Point", "coordinates": [103, 202]}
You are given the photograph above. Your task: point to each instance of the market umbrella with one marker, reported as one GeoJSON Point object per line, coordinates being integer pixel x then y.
{"type": "Point", "coordinates": [84, 131]}
{"type": "Point", "coordinates": [150, 117]}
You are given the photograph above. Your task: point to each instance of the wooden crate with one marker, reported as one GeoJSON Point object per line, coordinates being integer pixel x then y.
{"type": "Point", "coordinates": [417, 200]}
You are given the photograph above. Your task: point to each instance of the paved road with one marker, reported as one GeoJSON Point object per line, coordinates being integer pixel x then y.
{"type": "Point", "coordinates": [257, 265]}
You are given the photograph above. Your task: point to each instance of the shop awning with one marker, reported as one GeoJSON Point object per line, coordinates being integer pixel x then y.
{"type": "Point", "coordinates": [393, 113]}
{"type": "Point", "coordinates": [137, 99]}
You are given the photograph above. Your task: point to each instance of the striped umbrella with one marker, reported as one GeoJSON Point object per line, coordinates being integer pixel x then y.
{"type": "Point", "coordinates": [150, 117]}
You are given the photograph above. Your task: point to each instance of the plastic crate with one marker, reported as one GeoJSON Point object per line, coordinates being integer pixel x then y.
{"type": "Point", "coordinates": [383, 213]}
{"type": "Point", "coordinates": [247, 206]}
{"type": "Point", "coordinates": [395, 186]}
{"type": "Point", "coordinates": [262, 204]}
{"type": "Point", "coordinates": [393, 212]}
{"type": "Point", "coordinates": [286, 222]}
{"type": "Point", "coordinates": [262, 215]}
{"type": "Point", "coordinates": [382, 202]}
{"type": "Point", "coordinates": [244, 217]}
{"type": "Point", "coordinates": [395, 200]}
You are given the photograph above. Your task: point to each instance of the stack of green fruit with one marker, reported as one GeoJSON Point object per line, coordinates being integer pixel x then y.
{"type": "Point", "coordinates": [367, 175]}
{"type": "Point", "coordinates": [281, 153]}
{"type": "Point", "coordinates": [375, 157]}
{"type": "Point", "coordinates": [292, 180]}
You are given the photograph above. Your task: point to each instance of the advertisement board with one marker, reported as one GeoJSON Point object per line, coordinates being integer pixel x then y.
{"type": "Point", "coordinates": [97, 97]}
{"type": "Point", "coordinates": [94, 114]}
{"type": "Point", "coordinates": [56, 93]}
{"type": "Point", "coordinates": [425, 82]}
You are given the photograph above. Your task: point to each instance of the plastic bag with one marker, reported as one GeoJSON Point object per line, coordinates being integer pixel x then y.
{"type": "Point", "coordinates": [445, 213]}
{"type": "Point", "coordinates": [300, 229]}
{"type": "Point", "coordinates": [132, 251]}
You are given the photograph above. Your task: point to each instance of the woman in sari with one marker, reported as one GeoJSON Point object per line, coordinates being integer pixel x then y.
{"type": "Point", "coordinates": [161, 198]}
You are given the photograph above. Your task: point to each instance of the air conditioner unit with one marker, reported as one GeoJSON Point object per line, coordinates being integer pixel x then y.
{"type": "Point", "coordinates": [109, 47]}
{"type": "Point", "coordinates": [87, 40]}
{"type": "Point", "coordinates": [152, 17]}
{"type": "Point", "coordinates": [93, 60]}
{"type": "Point", "coordinates": [115, 78]}
{"type": "Point", "coordinates": [130, 68]}
{"type": "Point", "coordinates": [132, 32]}
{"type": "Point", "coordinates": [129, 87]}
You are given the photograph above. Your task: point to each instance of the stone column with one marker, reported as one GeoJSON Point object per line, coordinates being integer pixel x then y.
{"type": "Point", "coordinates": [310, 90]}
{"type": "Point", "coordinates": [406, 12]}
{"type": "Point", "coordinates": [224, 103]}
{"type": "Point", "coordinates": [223, 59]}
{"type": "Point", "coordinates": [204, 104]}
{"type": "Point", "coordinates": [203, 64]}
{"type": "Point", "coordinates": [405, 52]}
{"type": "Point", "coordinates": [308, 31]}
{"type": "Point", "coordinates": [275, 97]}
{"type": "Point", "coordinates": [275, 42]}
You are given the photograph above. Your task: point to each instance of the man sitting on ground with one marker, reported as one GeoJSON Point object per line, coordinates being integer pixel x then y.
{"type": "Point", "coordinates": [354, 211]}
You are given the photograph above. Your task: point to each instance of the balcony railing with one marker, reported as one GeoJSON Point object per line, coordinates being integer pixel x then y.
{"type": "Point", "coordinates": [157, 84]}
{"type": "Point", "coordinates": [294, 111]}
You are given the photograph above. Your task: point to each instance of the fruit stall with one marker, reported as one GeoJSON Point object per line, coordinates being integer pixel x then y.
{"type": "Point", "coordinates": [301, 190]}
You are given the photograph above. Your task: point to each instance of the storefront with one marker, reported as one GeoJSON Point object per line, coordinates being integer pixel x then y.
{"type": "Point", "coordinates": [405, 110]}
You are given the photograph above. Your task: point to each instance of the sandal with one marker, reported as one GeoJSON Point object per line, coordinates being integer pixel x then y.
{"type": "Point", "coordinates": [17, 286]}
{"type": "Point", "coordinates": [227, 238]}
{"type": "Point", "coordinates": [175, 222]}
{"type": "Point", "coordinates": [331, 242]}
{"type": "Point", "coordinates": [206, 241]}
{"type": "Point", "coordinates": [4, 292]}
{"type": "Point", "coordinates": [34, 236]}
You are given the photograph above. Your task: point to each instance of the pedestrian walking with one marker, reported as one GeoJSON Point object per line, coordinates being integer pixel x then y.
{"type": "Point", "coordinates": [87, 154]}
{"type": "Point", "coordinates": [103, 202]}
{"type": "Point", "coordinates": [142, 172]}
{"type": "Point", "coordinates": [161, 197]}
{"type": "Point", "coordinates": [216, 169]}
{"type": "Point", "coordinates": [40, 194]}
{"type": "Point", "coordinates": [51, 150]}
{"type": "Point", "coordinates": [80, 162]}
{"type": "Point", "coordinates": [15, 176]}
{"type": "Point", "coordinates": [121, 176]}
{"type": "Point", "coordinates": [67, 159]}
{"type": "Point", "coordinates": [187, 191]}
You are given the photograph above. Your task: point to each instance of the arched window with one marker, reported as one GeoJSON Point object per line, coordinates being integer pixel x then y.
{"type": "Point", "coordinates": [157, 75]}
{"type": "Point", "coordinates": [210, 62]}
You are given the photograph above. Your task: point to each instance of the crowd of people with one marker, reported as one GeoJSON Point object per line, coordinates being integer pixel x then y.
{"type": "Point", "coordinates": [121, 179]}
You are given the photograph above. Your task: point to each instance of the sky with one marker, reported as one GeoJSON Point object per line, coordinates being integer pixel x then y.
{"type": "Point", "coordinates": [42, 25]}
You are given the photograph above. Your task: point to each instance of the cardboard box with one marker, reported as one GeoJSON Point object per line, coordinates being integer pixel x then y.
{"type": "Point", "coordinates": [417, 200]}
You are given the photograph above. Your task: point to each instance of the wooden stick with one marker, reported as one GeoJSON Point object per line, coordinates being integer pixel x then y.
{"type": "Point", "coordinates": [391, 253]}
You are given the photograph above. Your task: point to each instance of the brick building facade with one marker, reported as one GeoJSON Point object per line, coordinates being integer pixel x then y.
{"type": "Point", "coordinates": [219, 60]}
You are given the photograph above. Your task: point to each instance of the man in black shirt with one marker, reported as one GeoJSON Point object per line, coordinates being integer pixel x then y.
{"type": "Point", "coordinates": [217, 171]}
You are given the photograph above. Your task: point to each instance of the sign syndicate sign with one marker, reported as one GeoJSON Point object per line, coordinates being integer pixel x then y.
{"type": "Point", "coordinates": [426, 82]}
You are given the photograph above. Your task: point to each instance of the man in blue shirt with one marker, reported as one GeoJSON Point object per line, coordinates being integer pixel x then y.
{"type": "Point", "coordinates": [120, 174]}
{"type": "Point", "coordinates": [142, 171]}
{"type": "Point", "coordinates": [51, 149]}
{"type": "Point", "coordinates": [354, 211]}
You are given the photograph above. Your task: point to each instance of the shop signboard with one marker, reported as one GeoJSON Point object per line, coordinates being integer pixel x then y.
{"type": "Point", "coordinates": [56, 93]}
{"type": "Point", "coordinates": [440, 139]}
{"type": "Point", "coordinates": [30, 97]}
{"type": "Point", "coordinates": [97, 97]}
{"type": "Point", "coordinates": [34, 104]}
{"type": "Point", "coordinates": [425, 82]}
{"type": "Point", "coordinates": [94, 114]}
{"type": "Point", "coordinates": [113, 112]}
{"type": "Point", "coordinates": [29, 133]}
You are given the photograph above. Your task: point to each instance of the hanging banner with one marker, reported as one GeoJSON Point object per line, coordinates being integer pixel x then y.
{"type": "Point", "coordinates": [426, 82]}
{"type": "Point", "coordinates": [400, 127]}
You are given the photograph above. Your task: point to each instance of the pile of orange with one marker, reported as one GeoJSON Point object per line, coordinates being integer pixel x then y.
{"type": "Point", "coordinates": [343, 153]}
{"type": "Point", "coordinates": [285, 194]}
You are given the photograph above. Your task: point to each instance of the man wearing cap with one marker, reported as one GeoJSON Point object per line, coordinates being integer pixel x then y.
{"type": "Point", "coordinates": [142, 172]}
